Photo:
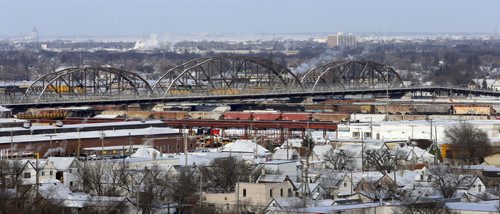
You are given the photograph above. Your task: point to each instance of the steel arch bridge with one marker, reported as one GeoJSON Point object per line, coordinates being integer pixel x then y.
{"type": "Point", "coordinates": [350, 74]}
{"type": "Point", "coordinates": [86, 83]}
{"type": "Point", "coordinates": [226, 75]}
{"type": "Point", "coordinates": [211, 76]}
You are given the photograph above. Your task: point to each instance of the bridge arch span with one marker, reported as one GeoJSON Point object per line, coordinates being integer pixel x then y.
{"type": "Point", "coordinates": [86, 83]}
{"type": "Point", "coordinates": [350, 74]}
{"type": "Point", "coordinates": [226, 75]}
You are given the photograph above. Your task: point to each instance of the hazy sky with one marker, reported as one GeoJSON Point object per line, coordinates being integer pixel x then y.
{"type": "Point", "coordinates": [142, 17]}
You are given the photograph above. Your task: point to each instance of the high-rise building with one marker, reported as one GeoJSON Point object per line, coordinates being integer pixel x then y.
{"type": "Point", "coordinates": [341, 40]}
{"type": "Point", "coordinates": [34, 34]}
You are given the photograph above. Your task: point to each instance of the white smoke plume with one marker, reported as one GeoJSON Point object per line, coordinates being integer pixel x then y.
{"type": "Point", "coordinates": [327, 56]}
{"type": "Point", "coordinates": [54, 151]}
{"type": "Point", "coordinates": [151, 43]}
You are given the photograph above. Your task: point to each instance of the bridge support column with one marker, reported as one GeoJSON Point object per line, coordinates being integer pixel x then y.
{"type": "Point", "coordinates": [245, 134]}
{"type": "Point", "coordinates": [282, 136]}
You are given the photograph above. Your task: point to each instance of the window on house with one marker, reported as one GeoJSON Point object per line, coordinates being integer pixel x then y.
{"type": "Point", "coordinates": [479, 188]}
{"type": "Point", "coordinates": [70, 171]}
{"type": "Point", "coordinates": [225, 198]}
{"type": "Point", "coordinates": [345, 184]}
{"type": "Point", "coordinates": [271, 193]}
{"type": "Point", "coordinates": [51, 173]}
{"type": "Point", "coordinates": [281, 192]}
{"type": "Point", "coordinates": [290, 192]}
{"type": "Point", "coordinates": [43, 173]}
{"type": "Point", "coordinates": [355, 135]}
{"type": "Point", "coordinates": [244, 192]}
{"type": "Point", "coordinates": [422, 176]}
{"type": "Point", "coordinates": [71, 183]}
{"type": "Point", "coordinates": [27, 175]}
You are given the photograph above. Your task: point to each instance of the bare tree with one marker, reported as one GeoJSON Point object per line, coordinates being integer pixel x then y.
{"type": "Point", "coordinates": [223, 173]}
{"type": "Point", "coordinates": [339, 160]}
{"type": "Point", "coordinates": [154, 188]}
{"type": "Point", "coordinates": [383, 189]}
{"type": "Point", "coordinates": [445, 181]}
{"type": "Point", "coordinates": [184, 187]}
{"type": "Point", "coordinates": [470, 143]}
{"type": "Point", "coordinates": [10, 179]}
{"type": "Point", "coordinates": [103, 177]}
{"type": "Point", "coordinates": [383, 160]}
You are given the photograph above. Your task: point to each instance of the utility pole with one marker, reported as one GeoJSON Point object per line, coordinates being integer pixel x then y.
{"type": "Point", "coordinates": [362, 154]}
{"type": "Point", "coordinates": [37, 155]}
{"type": "Point", "coordinates": [435, 144]}
{"type": "Point", "coordinates": [102, 144]}
{"type": "Point", "coordinates": [185, 147]}
{"type": "Point", "coordinates": [130, 149]}
{"type": "Point", "coordinates": [11, 143]}
{"type": "Point", "coordinates": [78, 145]}
{"type": "Point", "coordinates": [201, 185]}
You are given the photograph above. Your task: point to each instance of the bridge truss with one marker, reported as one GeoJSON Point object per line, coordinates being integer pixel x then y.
{"type": "Point", "coordinates": [350, 74]}
{"type": "Point", "coordinates": [229, 75]}
{"type": "Point", "coordinates": [86, 83]}
{"type": "Point", "coordinates": [210, 76]}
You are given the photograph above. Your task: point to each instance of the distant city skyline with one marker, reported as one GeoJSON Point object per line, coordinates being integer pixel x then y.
{"type": "Point", "coordinates": [138, 18]}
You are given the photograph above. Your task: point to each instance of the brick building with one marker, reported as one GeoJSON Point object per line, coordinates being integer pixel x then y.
{"type": "Point", "coordinates": [67, 144]}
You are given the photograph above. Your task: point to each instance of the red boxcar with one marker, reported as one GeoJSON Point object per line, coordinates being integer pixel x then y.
{"type": "Point", "coordinates": [296, 116]}
{"type": "Point", "coordinates": [266, 116]}
{"type": "Point", "coordinates": [237, 115]}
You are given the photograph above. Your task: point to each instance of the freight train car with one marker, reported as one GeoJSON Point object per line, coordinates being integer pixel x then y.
{"type": "Point", "coordinates": [266, 116]}
{"type": "Point", "coordinates": [205, 115]}
{"type": "Point", "coordinates": [330, 117]}
{"type": "Point", "coordinates": [394, 109]}
{"type": "Point", "coordinates": [365, 109]}
{"type": "Point", "coordinates": [429, 109]}
{"type": "Point", "coordinates": [473, 110]}
{"type": "Point", "coordinates": [293, 116]}
{"type": "Point", "coordinates": [237, 115]}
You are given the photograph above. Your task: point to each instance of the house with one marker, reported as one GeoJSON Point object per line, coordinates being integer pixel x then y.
{"type": "Point", "coordinates": [253, 195]}
{"type": "Point", "coordinates": [54, 190]}
{"type": "Point", "coordinates": [472, 184]}
{"type": "Point", "coordinates": [283, 167]}
{"type": "Point", "coordinates": [336, 184]}
{"type": "Point", "coordinates": [247, 149]}
{"type": "Point", "coordinates": [281, 154]}
{"type": "Point", "coordinates": [286, 205]}
{"type": "Point", "coordinates": [415, 155]}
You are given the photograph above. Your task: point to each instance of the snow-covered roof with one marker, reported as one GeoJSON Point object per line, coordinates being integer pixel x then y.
{"type": "Point", "coordinates": [293, 143]}
{"type": "Point", "coordinates": [53, 189]}
{"type": "Point", "coordinates": [3, 109]}
{"type": "Point", "coordinates": [484, 206]}
{"type": "Point", "coordinates": [483, 167]}
{"type": "Point", "coordinates": [11, 120]}
{"type": "Point", "coordinates": [87, 125]}
{"type": "Point", "coordinates": [61, 163]}
{"type": "Point", "coordinates": [281, 154]}
{"type": "Point", "coordinates": [88, 135]}
{"type": "Point", "coordinates": [107, 116]}
{"type": "Point", "coordinates": [245, 146]}
{"type": "Point", "coordinates": [267, 178]}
